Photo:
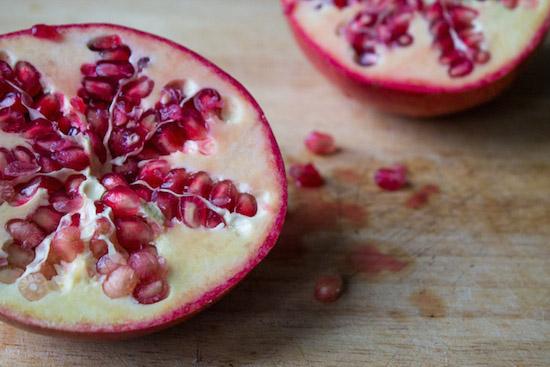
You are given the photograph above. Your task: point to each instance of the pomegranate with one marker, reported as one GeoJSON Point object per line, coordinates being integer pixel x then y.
{"type": "Point", "coordinates": [129, 190]}
{"type": "Point", "coordinates": [419, 57]}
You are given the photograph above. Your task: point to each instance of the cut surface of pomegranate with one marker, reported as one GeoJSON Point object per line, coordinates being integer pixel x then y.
{"type": "Point", "coordinates": [419, 57]}
{"type": "Point", "coordinates": [127, 201]}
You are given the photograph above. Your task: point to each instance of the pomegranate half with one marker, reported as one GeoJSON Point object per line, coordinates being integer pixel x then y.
{"type": "Point", "coordinates": [138, 181]}
{"type": "Point", "coordinates": [419, 57]}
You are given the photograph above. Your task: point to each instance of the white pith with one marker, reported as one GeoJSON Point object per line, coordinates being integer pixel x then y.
{"type": "Point", "coordinates": [507, 32]}
{"type": "Point", "coordinates": [198, 259]}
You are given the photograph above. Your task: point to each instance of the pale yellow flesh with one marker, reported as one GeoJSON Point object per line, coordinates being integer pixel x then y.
{"type": "Point", "coordinates": [198, 259]}
{"type": "Point", "coordinates": [507, 32]}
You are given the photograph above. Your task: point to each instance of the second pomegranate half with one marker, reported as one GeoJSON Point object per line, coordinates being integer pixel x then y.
{"type": "Point", "coordinates": [138, 181]}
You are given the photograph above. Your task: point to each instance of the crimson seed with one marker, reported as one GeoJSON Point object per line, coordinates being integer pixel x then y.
{"type": "Point", "coordinates": [391, 178]}
{"type": "Point", "coordinates": [329, 288]}
{"type": "Point", "coordinates": [306, 175]}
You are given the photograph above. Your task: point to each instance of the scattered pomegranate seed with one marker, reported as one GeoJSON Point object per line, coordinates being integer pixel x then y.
{"type": "Point", "coordinates": [320, 143]}
{"type": "Point", "coordinates": [421, 197]}
{"type": "Point", "coordinates": [120, 282]}
{"type": "Point", "coordinates": [329, 288]}
{"type": "Point", "coordinates": [391, 178]}
{"type": "Point", "coordinates": [306, 175]}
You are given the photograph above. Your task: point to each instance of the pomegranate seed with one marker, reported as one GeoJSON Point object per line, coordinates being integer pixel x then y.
{"type": "Point", "coordinates": [175, 180]}
{"type": "Point", "coordinates": [139, 88]}
{"type": "Point", "coordinates": [23, 154]}
{"type": "Point", "coordinates": [133, 233]}
{"type": "Point", "coordinates": [154, 172]}
{"type": "Point", "coordinates": [98, 120]}
{"type": "Point", "coordinates": [172, 93]}
{"type": "Point", "coordinates": [391, 178]}
{"type": "Point", "coordinates": [97, 145]}
{"type": "Point", "coordinates": [121, 282]}
{"type": "Point", "coordinates": [39, 127]}
{"type": "Point", "coordinates": [28, 77]}
{"type": "Point", "coordinates": [112, 180]}
{"type": "Point", "coordinates": [121, 53]}
{"type": "Point", "coordinates": [246, 205]}
{"type": "Point", "coordinates": [123, 201]}
{"type": "Point", "coordinates": [78, 104]}
{"type": "Point", "coordinates": [18, 168]}
{"type": "Point", "coordinates": [98, 248]}
{"type": "Point", "coordinates": [50, 106]}
{"type": "Point", "coordinates": [66, 204]}
{"type": "Point", "coordinates": [167, 203]}
{"type": "Point", "coordinates": [103, 43]}
{"type": "Point", "coordinates": [103, 227]}
{"type": "Point", "coordinates": [224, 194]}
{"type": "Point", "coordinates": [329, 288]}
{"type": "Point", "coordinates": [213, 219]}
{"type": "Point", "coordinates": [72, 185]}
{"type": "Point", "coordinates": [9, 274]}
{"type": "Point", "coordinates": [46, 32]}
{"type": "Point", "coordinates": [193, 211]}
{"type": "Point", "coordinates": [46, 218]}
{"type": "Point", "coordinates": [18, 256]}
{"type": "Point", "coordinates": [6, 71]}
{"type": "Point", "coordinates": [88, 70]}
{"type": "Point", "coordinates": [124, 141]}
{"type": "Point", "coordinates": [28, 234]}
{"type": "Point", "coordinates": [66, 244]}
{"type": "Point", "coordinates": [143, 192]}
{"type": "Point", "coordinates": [144, 263]}
{"type": "Point", "coordinates": [33, 286]}
{"type": "Point", "coordinates": [320, 143]}
{"type": "Point", "coordinates": [194, 125]}
{"type": "Point", "coordinates": [74, 158]}
{"type": "Point", "coordinates": [107, 264]}
{"type": "Point", "coordinates": [169, 138]}
{"type": "Point", "coordinates": [142, 63]}
{"type": "Point", "coordinates": [128, 170]}
{"type": "Point", "coordinates": [99, 88]}
{"type": "Point", "coordinates": [170, 112]}
{"type": "Point", "coordinates": [7, 192]}
{"type": "Point", "coordinates": [153, 292]}
{"type": "Point", "coordinates": [208, 101]}
{"type": "Point", "coordinates": [306, 175]}
{"type": "Point", "coordinates": [49, 165]}
{"type": "Point", "coordinates": [200, 184]}
{"type": "Point", "coordinates": [48, 270]}
{"type": "Point", "coordinates": [114, 69]}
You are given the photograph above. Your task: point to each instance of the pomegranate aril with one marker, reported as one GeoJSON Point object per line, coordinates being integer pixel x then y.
{"type": "Point", "coordinates": [200, 184]}
{"type": "Point", "coordinates": [172, 93]}
{"type": "Point", "coordinates": [28, 78]}
{"type": "Point", "coordinates": [391, 178]}
{"type": "Point", "coordinates": [6, 72]}
{"type": "Point", "coordinates": [124, 141]}
{"type": "Point", "coordinates": [143, 192]}
{"type": "Point", "coordinates": [28, 234]}
{"type": "Point", "coordinates": [38, 128]}
{"type": "Point", "coordinates": [169, 138]}
{"type": "Point", "coordinates": [97, 146]}
{"type": "Point", "coordinates": [107, 263]}
{"type": "Point", "coordinates": [306, 175]}
{"type": "Point", "coordinates": [133, 233]}
{"type": "Point", "coordinates": [123, 201]}
{"type": "Point", "coordinates": [33, 286]}
{"type": "Point", "coordinates": [460, 68]}
{"type": "Point", "coordinates": [72, 185]}
{"type": "Point", "coordinates": [320, 143]}
{"type": "Point", "coordinates": [9, 274]}
{"type": "Point", "coordinates": [128, 169]}
{"type": "Point", "coordinates": [98, 120]}
{"type": "Point", "coordinates": [144, 263]}
{"type": "Point", "coordinates": [50, 106]}
{"type": "Point", "coordinates": [66, 244]}
{"type": "Point", "coordinates": [74, 158]}
{"type": "Point", "coordinates": [109, 42]}
{"type": "Point", "coordinates": [18, 256]}
{"type": "Point", "coordinates": [99, 88]}
{"type": "Point", "coordinates": [121, 53]}
{"type": "Point", "coordinates": [112, 180]}
{"type": "Point", "coordinates": [121, 282]}
{"type": "Point", "coordinates": [88, 69]}
{"type": "Point", "coordinates": [167, 203]}
{"type": "Point", "coordinates": [194, 125]}
{"type": "Point", "coordinates": [329, 288]}
{"type": "Point", "coordinates": [153, 292]}
{"type": "Point", "coordinates": [246, 205]}
{"type": "Point", "coordinates": [66, 204]}
{"type": "Point", "coordinates": [114, 69]}
{"type": "Point", "coordinates": [170, 112]}
{"type": "Point", "coordinates": [213, 219]}
{"type": "Point", "coordinates": [139, 88]}
{"type": "Point", "coordinates": [224, 194]}
{"type": "Point", "coordinates": [98, 248]}
{"type": "Point", "coordinates": [154, 172]}
{"type": "Point", "coordinates": [46, 32]}
{"type": "Point", "coordinates": [208, 101]}
{"type": "Point", "coordinates": [193, 211]}
{"type": "Point", "coordinates": [18, 168]}
{"type": "Point", "coordinates": [49, 165]}
{"type": "Point", "coordinates": [48, 270]}
{"type": "Point", "coordinates": [46, 218]}
{"type": "Point", "coordinates": [175, 180]}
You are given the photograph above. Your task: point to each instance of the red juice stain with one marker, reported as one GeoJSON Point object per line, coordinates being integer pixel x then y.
{"type": "Point", "coordinates": [369, 260]}
{"type": "Point", "coordinates": [347, 175]}
{"type": "Point", "coordinates": [421, 197]}
{"type": "Point", "coordinates": [428, 303]}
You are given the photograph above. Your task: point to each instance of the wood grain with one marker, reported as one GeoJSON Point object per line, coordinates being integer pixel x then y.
{"type": "Point", "coordinates": [475, 290]}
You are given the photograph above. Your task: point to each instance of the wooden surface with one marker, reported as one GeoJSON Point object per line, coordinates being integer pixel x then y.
{"type": "Point", "coordinates": [472, 282]}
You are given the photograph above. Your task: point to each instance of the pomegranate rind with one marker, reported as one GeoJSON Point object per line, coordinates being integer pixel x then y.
{"type": "Point", "coordinates": [185, 310]}
{"type": "Point", "coordinates": [408, 98]}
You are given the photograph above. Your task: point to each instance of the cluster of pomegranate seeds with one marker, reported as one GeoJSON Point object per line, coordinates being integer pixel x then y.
{"type": "Point", "coordinates": [306, 175]}
{"type": "Point", "coordinates": [320, 143]}
{"type": "Point", "coordinates": [386, 22]}
{"type": "Point", "coordinates": [329, 288]}
{"type": "Point", "coordinates": [125, 139]}
{"type": "Point", "coordinates": [391, 178]}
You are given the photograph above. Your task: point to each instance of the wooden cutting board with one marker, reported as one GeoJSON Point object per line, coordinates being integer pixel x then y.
{"type": "Point", "coordinates": [463, 281]}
